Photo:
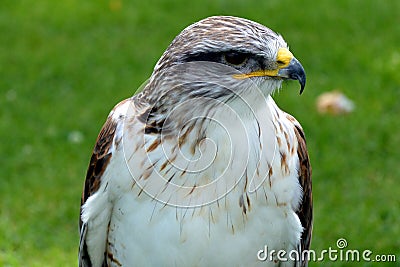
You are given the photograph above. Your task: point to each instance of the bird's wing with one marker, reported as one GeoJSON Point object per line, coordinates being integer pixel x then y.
{"type": "Point", "coordinates": [102, 154]}
{"type": "Point", "coordinates": [305, 210]}
{"type": "Point", "coordinates": [99, 160]}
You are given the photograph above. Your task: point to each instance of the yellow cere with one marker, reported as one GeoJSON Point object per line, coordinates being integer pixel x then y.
{"type": "Point", "coordinates": [283, 58]}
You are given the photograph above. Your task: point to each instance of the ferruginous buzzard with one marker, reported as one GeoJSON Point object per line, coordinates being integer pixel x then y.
{"type": "Point", "coordinates": [201, 168]}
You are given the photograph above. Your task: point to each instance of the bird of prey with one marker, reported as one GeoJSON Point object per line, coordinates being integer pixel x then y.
{"type": "Point", "coordinates": [201, 168]}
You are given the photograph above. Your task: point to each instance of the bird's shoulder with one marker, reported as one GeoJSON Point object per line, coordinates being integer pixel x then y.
{"type": "Point", "coordinates": [106, 144]}
{"type": "Point", "coordinates": [103, 149]}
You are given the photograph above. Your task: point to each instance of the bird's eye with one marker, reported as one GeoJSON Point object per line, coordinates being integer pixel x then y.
{"type": "Point", "coordinates": [235, 59]}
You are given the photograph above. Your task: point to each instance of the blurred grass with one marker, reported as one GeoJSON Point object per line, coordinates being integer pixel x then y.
{"type": "Point", "coordinates": [64, 64]}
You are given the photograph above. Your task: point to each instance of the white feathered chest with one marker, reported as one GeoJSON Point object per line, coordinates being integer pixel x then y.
{"type": "Point", "coordinates": [219, 198]}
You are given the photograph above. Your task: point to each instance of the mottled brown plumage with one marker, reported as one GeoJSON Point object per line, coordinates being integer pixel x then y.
{"type": "Point", "coordinates": [99, 160]}
{"type": "Point", "coordinates": [305, 210]}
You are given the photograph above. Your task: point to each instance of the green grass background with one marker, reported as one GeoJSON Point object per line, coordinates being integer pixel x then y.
{"type": "Point", "coordinates": [64, 64]}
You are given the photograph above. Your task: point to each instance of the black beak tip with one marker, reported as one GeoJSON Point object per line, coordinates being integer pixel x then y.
{"type": "Point", "coordinates": [301, 77]}
{"type": "Point", "coordinates": [302, 81]}
{"type": "Point", "coordinates": [295, 71]}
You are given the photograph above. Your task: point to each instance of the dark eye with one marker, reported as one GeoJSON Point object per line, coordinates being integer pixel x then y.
{"type": "Point", "coordinates": [234, 58]}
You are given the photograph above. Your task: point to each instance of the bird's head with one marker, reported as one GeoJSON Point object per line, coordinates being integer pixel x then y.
{"type": "Point", "coordinates": [217, 60]}
{"type": "Point", "coordinates": [254, 51]}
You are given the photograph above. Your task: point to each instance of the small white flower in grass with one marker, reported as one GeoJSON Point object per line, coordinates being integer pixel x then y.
{"type": "Point", "coordinates": [75, 137]}
{"type": "Point", "coordinates": [11, 95]}
{"type": "Point", "coordinates": [27, 149]}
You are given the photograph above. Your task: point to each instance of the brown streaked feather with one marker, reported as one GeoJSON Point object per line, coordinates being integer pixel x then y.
{"type": "Point", "coordinates": [100, 158]}
{"type": "Point", "coordinates": [98, 163]}
{"type": "Point", "coordinates": [304, 212]}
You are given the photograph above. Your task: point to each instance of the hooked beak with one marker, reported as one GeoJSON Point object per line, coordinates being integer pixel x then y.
{"type": "Point", "coordinates": [294, 71]}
